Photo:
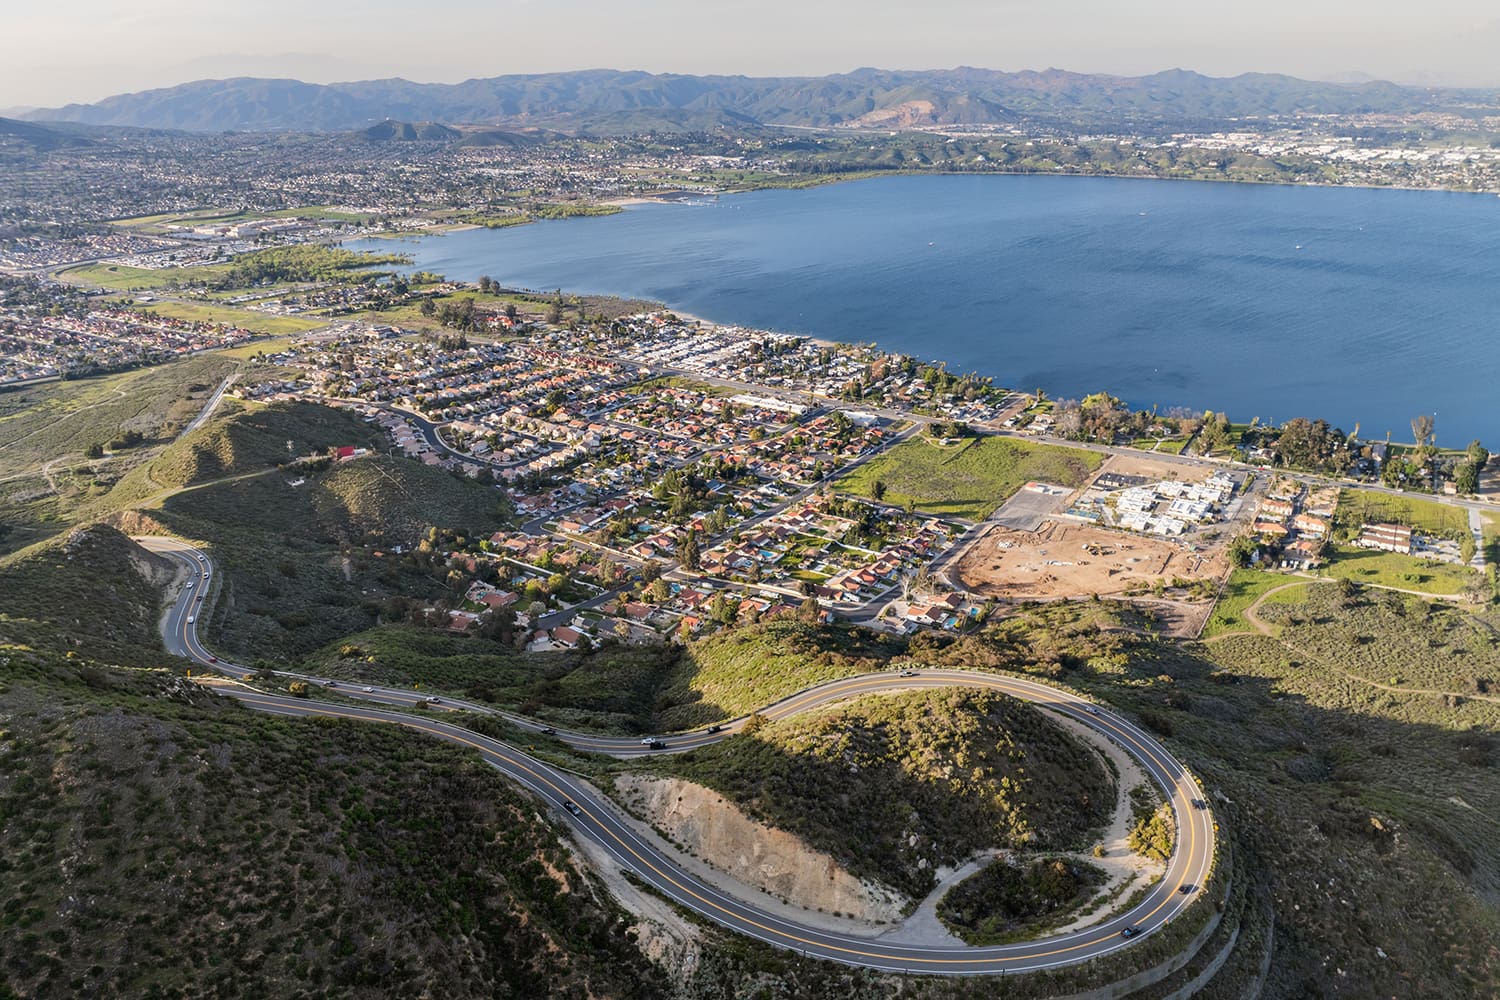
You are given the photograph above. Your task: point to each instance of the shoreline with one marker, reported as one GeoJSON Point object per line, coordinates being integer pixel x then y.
{"type": "Point", "coordinates": [803, 182]}
{"type": "Point", "coordinates": [831, 342]}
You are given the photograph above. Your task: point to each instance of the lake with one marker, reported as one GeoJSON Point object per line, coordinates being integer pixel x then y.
{"type": "Point", "coordinates": [1367, 306]}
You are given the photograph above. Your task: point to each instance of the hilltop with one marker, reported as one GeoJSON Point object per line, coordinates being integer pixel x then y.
{"type": "Point", "coordinates": [249, 437]}
{"type": "Point", "coordinates": [394, 131]}
{"type": "Point", "coordinates": [895, 786]}
{"type": "Point", "coordinates": [92, 593]}
{"type": "Point", "coordinates": [865, 98]}
{"type": "Point", "coordinates": [310, 556]}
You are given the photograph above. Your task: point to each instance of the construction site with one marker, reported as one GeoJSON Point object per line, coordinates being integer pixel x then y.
{"type": "Point", "coordinates": [1063, 559]}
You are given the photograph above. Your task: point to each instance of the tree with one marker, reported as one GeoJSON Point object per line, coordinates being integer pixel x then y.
{"type": "Point", "coordinates": [691, 558]}
{"type": "Point", "coordinates": [427, 308]}
{"type": "Point", "coordinates": [1466, 478]}
{"type": "Point", "coordinates": [1477, 453]}
{"type": "Point", "coordinates": [1241, 551]}
{"type": "Point", "coordinates": [95, 450]}
{"type": "Point", "coordinates": [878, 490]}
{"type": "Point", "coordinates": [719, 610]}
{"type": "Point", "coordinates": [1421, 429]}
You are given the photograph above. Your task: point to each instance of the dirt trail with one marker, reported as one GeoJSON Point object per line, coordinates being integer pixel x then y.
{"type": "Point", "coordinates": [1261, 628]}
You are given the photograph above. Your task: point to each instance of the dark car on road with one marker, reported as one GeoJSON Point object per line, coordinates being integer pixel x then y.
{"type": "Point", "coordinates": [657, 745]}
{"type": "Point", "coordinates": [714, 729]}
{"type": "Point", "coordinates": [1130, 932]}
{"type": "Point", "coordinates": [548, 731]}
{"type": "Point", "coordinates": [571, 807]}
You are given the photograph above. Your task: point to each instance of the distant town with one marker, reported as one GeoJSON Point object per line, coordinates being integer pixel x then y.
{"type": "Point", "coordinates": [726, 471]}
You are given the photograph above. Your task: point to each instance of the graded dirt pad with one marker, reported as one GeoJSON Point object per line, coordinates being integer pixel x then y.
{"type": "Point", "coordinates": [1157, 468]}
{"type": "Point", "coordinates": [1064, 559]}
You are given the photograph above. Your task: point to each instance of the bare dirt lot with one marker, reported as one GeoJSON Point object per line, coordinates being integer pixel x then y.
{"type": "Point", "coordinates": [1073, 560]}
{"type": "Point", "coordinates": [1156, 468]}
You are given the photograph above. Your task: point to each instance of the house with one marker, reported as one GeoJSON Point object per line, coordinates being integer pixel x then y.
{"type": "Point", "coordinates": [566, 637]}
{"type": "Point", "coordinates": [497, 599]}
{"type": "Point", "coordinates": [1386, 538]}
{"type": "Point", "coordinates": [1302, 554]}
{"type": "Point", "coordinates": [1277, 508]}
{"type": "Point", "coordinates": [1310, 525]}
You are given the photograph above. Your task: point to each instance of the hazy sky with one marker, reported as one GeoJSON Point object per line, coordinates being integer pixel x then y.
{"type": "Point", "coordinates": [83, 50]}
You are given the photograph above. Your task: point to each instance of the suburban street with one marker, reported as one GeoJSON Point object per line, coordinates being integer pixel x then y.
{"type": "Point", "coordinates": [651, 858]}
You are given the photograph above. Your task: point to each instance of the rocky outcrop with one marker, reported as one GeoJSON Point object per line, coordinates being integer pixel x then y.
{"type": "Point", "coordinates": [712, 828]}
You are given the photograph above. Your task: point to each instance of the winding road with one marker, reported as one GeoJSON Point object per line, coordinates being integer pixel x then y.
{"type": "Point", "coordinates": [650, 858]}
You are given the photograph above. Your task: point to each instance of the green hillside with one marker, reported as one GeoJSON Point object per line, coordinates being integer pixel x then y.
{"type": "Point", "coordinates": [48, 482]}
{"type": "Point", "coordinates": [161, 841]}
{"type": "Point", "coordinates": [92, 593]}
{"type": "Point", "coordinates": [306, 564]}
{"type": "Point", "coordinates": [615, 688]}
{"type": "Point", "coordinates": [897, 785]}
{"type": "Point", "coordinates": [739, 671]}
{"type": "Point", "coordinates": [390, 500]}
{"type": "Point", "coordinates": [1352, 760]}
{"type": "Point", "coordinates": [248, 437]}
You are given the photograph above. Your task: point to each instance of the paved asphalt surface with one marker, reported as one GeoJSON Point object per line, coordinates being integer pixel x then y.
{"type": "Point", "coordinates": [209, 407]}
{"type": "Point", "coordinates": [651, 859]}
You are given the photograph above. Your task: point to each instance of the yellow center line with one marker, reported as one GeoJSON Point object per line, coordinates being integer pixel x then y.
{"type": "Point", "coordinates": [1173, 773]}
{"type": "Point", "coordinates": [670, 877]}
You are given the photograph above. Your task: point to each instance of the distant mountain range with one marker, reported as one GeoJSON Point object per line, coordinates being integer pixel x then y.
{"type": "Point", "coordinates": [612, 101]}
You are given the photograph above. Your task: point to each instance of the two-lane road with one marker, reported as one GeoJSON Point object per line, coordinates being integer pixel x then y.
{"type": "Point", "coordinates": [651, 858]}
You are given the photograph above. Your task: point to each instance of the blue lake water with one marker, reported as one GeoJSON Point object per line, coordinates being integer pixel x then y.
{"type": "Point", "coordinates": [1353, 305]}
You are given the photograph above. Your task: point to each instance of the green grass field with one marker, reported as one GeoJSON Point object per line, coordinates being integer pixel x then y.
{"type": "Point", "coordinates": [257, 347]}
{"type": "Point", "coordinates": [131, 279]}
{"type": "Point", "coordinates": [1429, 517]}
{"type": "Point", "coordinates": [1168, 446]}
{"type": "Point", "coordinates": [1392, 569]}
{"type": "Point", "coordinates": [1245, 587]}
{"type": "Point", "coordinates": [968, 479]}
{"type": "Point", "coordinates": [209, 216]}
{"type": "Point", "coordinates": [245, 319]}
